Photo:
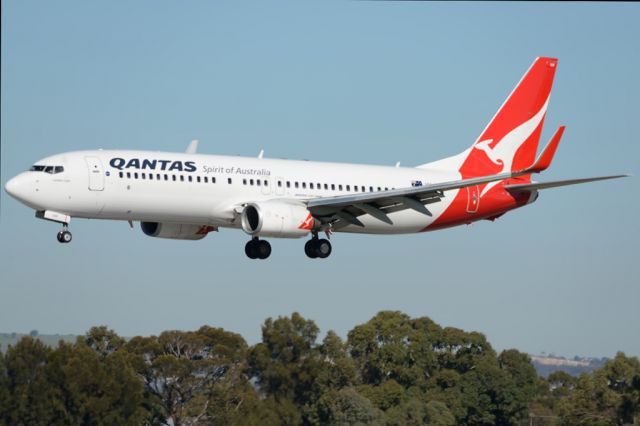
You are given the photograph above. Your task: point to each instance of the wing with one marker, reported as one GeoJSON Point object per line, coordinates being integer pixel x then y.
{"type": "Point", "coordinates": [347, 208]}
{"type": "Point", "coordinates": [379, 204]}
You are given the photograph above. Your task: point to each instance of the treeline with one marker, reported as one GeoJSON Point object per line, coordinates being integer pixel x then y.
{"type": "Point", "coordinates": [392, 370]}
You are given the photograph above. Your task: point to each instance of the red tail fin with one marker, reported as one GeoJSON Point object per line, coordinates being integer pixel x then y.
{"type": "Point", "coordinates": [510, 140]}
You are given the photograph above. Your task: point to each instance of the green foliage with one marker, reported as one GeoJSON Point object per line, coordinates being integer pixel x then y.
{"type": "Point", "coordinates": [392, 370]}
{"type": "Point", "coordinates": [31, 399]}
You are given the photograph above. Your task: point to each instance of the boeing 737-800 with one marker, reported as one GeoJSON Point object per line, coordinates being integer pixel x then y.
{"type": "Point", "coordinates": [187, 195]}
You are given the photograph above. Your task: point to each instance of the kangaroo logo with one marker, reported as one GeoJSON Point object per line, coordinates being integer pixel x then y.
{"type": "Point", "coordinates": [503, 152]}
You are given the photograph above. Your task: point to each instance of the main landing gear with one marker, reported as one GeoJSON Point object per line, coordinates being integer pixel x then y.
{"type": "Point", "coordinates": [257, 249]}
{"type": "Point", "coordinates": [317, 247]}
{"type": "Point", "coordinates": [64, 236]}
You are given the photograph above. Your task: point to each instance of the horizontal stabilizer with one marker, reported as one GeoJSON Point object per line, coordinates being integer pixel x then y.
{"type": "Point", "coordinates": [553, 184]}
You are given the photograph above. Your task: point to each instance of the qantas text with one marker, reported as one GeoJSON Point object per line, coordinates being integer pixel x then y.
{"type": "Point", "coordinates": [136, 163]}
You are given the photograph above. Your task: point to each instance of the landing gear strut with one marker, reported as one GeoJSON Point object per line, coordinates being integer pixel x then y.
{"type": "Point", "coordinates": [64, 236]}
{"type": "Point", "coordinates": [257, 249]}
{"type": "Point", "coordinates": [317, 247]}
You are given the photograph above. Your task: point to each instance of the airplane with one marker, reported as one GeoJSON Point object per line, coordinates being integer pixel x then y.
{"type": "Point", "coordinates": [188, 195]}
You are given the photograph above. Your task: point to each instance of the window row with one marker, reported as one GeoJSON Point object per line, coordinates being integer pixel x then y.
{"type": "Point", "coordinates": [252, 182]}
{"type": "Point", "coordinates": [167, 177]}
{"type": "Point", "coordinates": [312, 185]}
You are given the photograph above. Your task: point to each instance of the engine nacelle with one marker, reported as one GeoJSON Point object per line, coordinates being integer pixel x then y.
{"type": "Point", "coordinates": [277, 219]}
{"type": "Point", "coordinates": [176, 231]}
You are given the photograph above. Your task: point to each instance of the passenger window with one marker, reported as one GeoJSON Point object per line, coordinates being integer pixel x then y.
{"type": "Point", "coordinates": [319, 186]}
{"type": "Point", "coordinates": [181, 178]}
{"type": "Point", "coordinates": [190, 178]}
{"type": "Point", "coordinates": [135, 175]}
{"type": "Point", "coordinates": [348, 188]}
{"type": "Point", "coordinates": [304, 185]}
{"type": "Point", "coordinates": [279, 184]}
{"type": "Point", "coordinates": [121, 174]}
{"type": "Point", "coordinates": [206, 180]}
{"type": "Point", "coordinates": [371, 189]}
{"type": "Point", "coordinates": [258, 182]}
{"type": "Point", "coordinates": [166, 177]}
{"type": "Point", "coordinates": [296, 185]}
{"type": "Point", "coordinates": [142, 175]}
{"type": "Point", "coordinates": [150, 176]}
{"type": "Point", "coordinates": [213, 180]}
{"type": "Point", "coordinates": [379, 189]}
{"type": "Point", "coordinates": [159, 176]}
{"type": "Point", "coordinates": [198, 179]}
{"type": "Point", "coordinates": [266, 183]}
{"type": "Point", "coordinates": [355, 188]}
{"type": "Point", "coordinates": [288, 184]}
{"type": "Point", "coordinates": [128, 175]}
{"type": "Point", "coordinates": [386, 189]}
{"type": "Point", "coordinates": [173, 177]}
{"type": "Point", "coordinates": [333, 186]}
{"type": "Point", "coordinates": [340, 187]}
{"type": "Point", "coordinates": [311, 185]}
{"type": "Point", "coordinates": [326, 187]}
{"type": "Point", "coordinates": [363, 188]}
{"type": "Point", "coordinates": [229, 181]}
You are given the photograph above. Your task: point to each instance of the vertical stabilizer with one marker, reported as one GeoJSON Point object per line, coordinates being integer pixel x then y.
{"type": "Point", "coordinates": [510, 140]}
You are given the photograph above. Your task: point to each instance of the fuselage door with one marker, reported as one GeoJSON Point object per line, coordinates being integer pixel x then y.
{"type": "Point", "coordinates": [96, 174]}
{"type": "Point", "coordinates": [473, 199]}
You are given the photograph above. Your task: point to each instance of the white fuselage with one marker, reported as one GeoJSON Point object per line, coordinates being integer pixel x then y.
{"type": "Point", "coordinates": [210, 190]}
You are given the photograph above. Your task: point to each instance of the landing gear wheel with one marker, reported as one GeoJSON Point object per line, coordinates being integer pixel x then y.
{"type": "Point", "coordinates": [64, 236]}
{"type": "Point", "coordinates": [323, 248]}
{"type": "Point", "coordinates": [310, 249]}
{"type": "Point", "coordinates": [263, 249]}
{"type": "Point", "coordinates": [250, 249]}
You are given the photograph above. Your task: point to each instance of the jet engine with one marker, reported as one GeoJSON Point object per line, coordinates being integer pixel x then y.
{"type": "Point", "coordinates": [176, 231]}
{"type": "Point", "coordinates": [277, 219]}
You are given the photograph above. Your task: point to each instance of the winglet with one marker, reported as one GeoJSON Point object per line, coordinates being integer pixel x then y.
{"type": "Point", "coordinates": [544, 160]}
{"type": "Point", "coordinates": [193, 147]}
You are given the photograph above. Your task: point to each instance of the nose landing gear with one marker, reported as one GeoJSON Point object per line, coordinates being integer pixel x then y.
{"type": "Point", "coordinates": [257, 249]}
{"type": "Point", "coordinates": [64, 236]}
{"type": "Point", "coordinates": [317, 247]}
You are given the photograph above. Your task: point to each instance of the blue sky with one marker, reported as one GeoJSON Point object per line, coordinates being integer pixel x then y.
{"type": "Point", "coordinates": [367, 82]}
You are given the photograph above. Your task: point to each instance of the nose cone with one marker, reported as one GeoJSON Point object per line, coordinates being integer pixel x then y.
{"type": "Point", "coordinates": [12, 186]}
{"type": "Point", "coordinates": [18, 187]}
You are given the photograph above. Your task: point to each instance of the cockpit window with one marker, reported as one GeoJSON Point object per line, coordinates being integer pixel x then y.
{"type": "Point", "coordinates": [47, 169]}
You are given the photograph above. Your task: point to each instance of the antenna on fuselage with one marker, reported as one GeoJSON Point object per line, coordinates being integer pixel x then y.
{"type": "Point", "coordinates": [261, 153]}
{"type": "Point", "coordinates": [193, 147]}
{"type": "Point", "coordinates": [398, 164]}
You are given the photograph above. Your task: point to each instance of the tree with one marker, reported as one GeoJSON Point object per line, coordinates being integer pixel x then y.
{"type": "Point", "coordinates": [392, 346]}
{"type": "Point", "coordinates": [103, 390]}
{"type": "Point", "coordinates": [103, 340]}
{"type": "Point", "coordinates": [287, 361]}
{"type": "Point", "coordinates": [345, 407]}
{"type": "Point", "coordinates": [186, 374]}
{"type": "Point", "coordinates": [29, 397]}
